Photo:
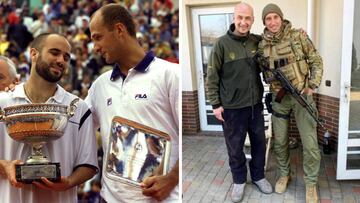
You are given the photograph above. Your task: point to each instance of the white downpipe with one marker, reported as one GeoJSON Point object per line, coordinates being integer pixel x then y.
{"type": "Point", "coordinates": [311, 18]}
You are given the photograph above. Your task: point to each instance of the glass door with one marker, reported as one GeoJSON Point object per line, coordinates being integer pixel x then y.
{"type": "Point", "coordinates": [348, 166]}
{"type": "Point", "coordinates": [208, 24]}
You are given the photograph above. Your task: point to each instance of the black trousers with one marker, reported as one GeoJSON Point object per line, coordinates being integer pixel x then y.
{"type": "Point", "coordinates": [237, 123]}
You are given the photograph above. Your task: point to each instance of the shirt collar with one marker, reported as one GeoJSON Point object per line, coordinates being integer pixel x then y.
{"type": "Point", "coordinates": [142, 66]}
{"type": "Point", "coordinates": [19, 91]}
{"type": "Point", "coordinates": [58, 97]}
{"type": "Point", "coordinates": [59, 94]}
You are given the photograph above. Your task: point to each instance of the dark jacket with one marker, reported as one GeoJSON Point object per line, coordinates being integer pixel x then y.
{"type": "Point", "coordinates": [233, 77]}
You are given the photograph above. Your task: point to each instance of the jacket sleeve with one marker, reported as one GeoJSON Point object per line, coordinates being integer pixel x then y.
{"type": "Point", "coordinates": [213, 75]}
{"type": "Point", "coordinates": [314, 61]}
{"type": "Point", "coordinates": [263, 63]}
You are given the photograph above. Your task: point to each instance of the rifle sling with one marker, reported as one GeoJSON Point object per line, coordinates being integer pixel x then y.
{"type": "Point", "coordinates": [279, 115]}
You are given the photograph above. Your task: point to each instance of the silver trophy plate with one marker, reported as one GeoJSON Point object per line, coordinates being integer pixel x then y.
{"type": "Point", "coordinates": [136, 152]}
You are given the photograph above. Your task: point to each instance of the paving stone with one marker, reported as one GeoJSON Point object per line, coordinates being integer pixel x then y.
{"type": "Point", "coordinates": [253, 200]}
{"type": "Point", "coordinates": [323, 183]}
{"type": "Point", "coordinates": [289, 194]}
{"type": "Point", "coordinates": [337, 200]}
{"type": "Point", "coordinates": [325, 193]}
{"type": "Point", "coordinates": [349, 199]}
{"type": "Point", "coordinates": [289, 201]}
{"type": "Point", "coordinates": [265, 199]}
{"type": "Point", "coordinates": [277, 198]}
{"type": "Point", "coordinates": [207, 176]}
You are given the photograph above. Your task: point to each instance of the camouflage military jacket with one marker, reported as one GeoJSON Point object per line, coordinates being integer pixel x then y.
{"type": "Point", "coordinates": [294, 54]}
{"type": "Point", "coordinates": [233, 76]}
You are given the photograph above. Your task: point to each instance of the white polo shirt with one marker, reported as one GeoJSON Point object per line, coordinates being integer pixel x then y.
{"type": "Point", "coordinates": [77, 147]}
{"type": "Point", "coordinates": [149, 95]}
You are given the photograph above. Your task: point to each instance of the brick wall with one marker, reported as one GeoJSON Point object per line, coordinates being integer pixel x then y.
{"type": "Point", "coordinates": [328, 108]}
{"type": "Point", "coordinates": [190, 112]}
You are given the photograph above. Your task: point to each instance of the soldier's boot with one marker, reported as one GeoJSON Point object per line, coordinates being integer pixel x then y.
{"type": "Point", "coordinates": [311, 194]}
{"type": "Point", "coordinates": [282, 183]}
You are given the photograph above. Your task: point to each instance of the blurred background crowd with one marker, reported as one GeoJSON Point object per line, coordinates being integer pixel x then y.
{"type": "Point", "coordinates": [157, 26]}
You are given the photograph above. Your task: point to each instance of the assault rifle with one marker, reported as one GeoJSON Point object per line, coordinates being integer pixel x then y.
{"type": "Point", "coordinates": [287, 87]}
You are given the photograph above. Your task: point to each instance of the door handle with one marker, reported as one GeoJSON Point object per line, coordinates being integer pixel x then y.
{"type": "Point", "coordinates": [201, 77]}
{"type": "Point", "coordinates": [347, 91]}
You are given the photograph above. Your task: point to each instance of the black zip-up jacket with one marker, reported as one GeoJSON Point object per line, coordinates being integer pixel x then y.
{"type": "Point", "coordinates": [233, 77]}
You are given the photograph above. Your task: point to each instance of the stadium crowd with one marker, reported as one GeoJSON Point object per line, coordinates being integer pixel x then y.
{"type": "Point", "coordinates": [157, 30]}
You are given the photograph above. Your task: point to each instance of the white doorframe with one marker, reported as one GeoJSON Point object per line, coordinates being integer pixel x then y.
{"type": "Point", "coordinates": [203, 108]}
{"type": "Point", "coordinates": [346, 60]}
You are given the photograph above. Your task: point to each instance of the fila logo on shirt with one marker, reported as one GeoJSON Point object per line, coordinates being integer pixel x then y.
{"type": "Point", "coordinates": [140, 96]}
{"type": "Point", "coordinates": [109, 101]}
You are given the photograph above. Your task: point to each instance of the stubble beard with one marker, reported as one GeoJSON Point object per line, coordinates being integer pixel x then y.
{"type": "Point", "coordinates": [43, 69]}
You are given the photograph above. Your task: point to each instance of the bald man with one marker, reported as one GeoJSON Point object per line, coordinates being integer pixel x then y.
{"type": "Point", "coordinates": [235, 91]}
{"type": "Point", "coordinates": [7, 73]}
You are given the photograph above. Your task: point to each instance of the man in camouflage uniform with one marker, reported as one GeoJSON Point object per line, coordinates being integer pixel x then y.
{"type": "Point", "coordinates": [295, 55]}
{"type": "Point", "coordinates": [235, 91]}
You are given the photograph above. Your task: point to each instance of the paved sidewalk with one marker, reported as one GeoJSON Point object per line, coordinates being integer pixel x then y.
{"type": "Point", "coordinates": [207, 176]}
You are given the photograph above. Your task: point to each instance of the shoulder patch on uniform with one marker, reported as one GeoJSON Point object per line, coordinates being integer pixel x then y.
{"type": "Point", "coordinates": [232, 55]}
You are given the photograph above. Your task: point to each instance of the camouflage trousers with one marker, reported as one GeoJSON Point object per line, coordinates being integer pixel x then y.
{"type": "Point", "coordinates": [307, 128]}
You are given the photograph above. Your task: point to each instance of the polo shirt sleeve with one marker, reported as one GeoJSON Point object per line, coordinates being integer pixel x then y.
{"type": "Point", "coordinates": [173, 91]}
{"type": "Point", "coordinates": [86, 147]}
{"type": "Point", "coordinates": [90, 100]}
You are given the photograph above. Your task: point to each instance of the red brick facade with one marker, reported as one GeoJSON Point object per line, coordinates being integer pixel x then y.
{"type": "Point", "coordinates": [328, 108]}
{"type": "Point", "coordinates": [190, 112]}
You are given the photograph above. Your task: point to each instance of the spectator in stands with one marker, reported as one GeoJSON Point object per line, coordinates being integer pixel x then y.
{"type": "Point", "coordinates": [23, 67]}
{"type": "Point", "coordinates": [39, 26]}
{"type": "Point", "coordinates": [19, 33]}
{"type": "Point", "coordinates": [94, 195]}
{"type": "Point", "coordinates": [4, 44]}
{"type": "Point", "coordinates": [7, 73]}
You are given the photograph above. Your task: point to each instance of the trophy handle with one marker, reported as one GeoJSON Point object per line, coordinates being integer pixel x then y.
{"type": "Point", "coordinates": [2, 115]}
{"type": "Point", "coordinates": [72, 108]}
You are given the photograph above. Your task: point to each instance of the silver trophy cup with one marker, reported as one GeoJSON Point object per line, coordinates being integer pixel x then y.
{"type": "Point", "coordinates": [36, 124]}
{"type": "Point", "coordinates": [136, 152]}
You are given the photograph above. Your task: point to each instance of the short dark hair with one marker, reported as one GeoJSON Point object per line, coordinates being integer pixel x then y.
{"type": "Point", "coordinates": [115, 13]}
{"type": "Point", "coordinates": [38, 42]}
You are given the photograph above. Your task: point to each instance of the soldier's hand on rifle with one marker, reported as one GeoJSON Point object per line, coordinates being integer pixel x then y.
{"type": "Point", "coordinates": [307, 91]}
{"type": "Point", "coordinates": [218, 113]}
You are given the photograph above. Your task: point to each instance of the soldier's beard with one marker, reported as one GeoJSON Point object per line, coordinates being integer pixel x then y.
{"type": "Point", "coordinates": [43, 69]}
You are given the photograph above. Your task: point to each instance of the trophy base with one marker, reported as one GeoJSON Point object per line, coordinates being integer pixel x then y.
{"type": "Point", "coordinates": [27, 173]}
